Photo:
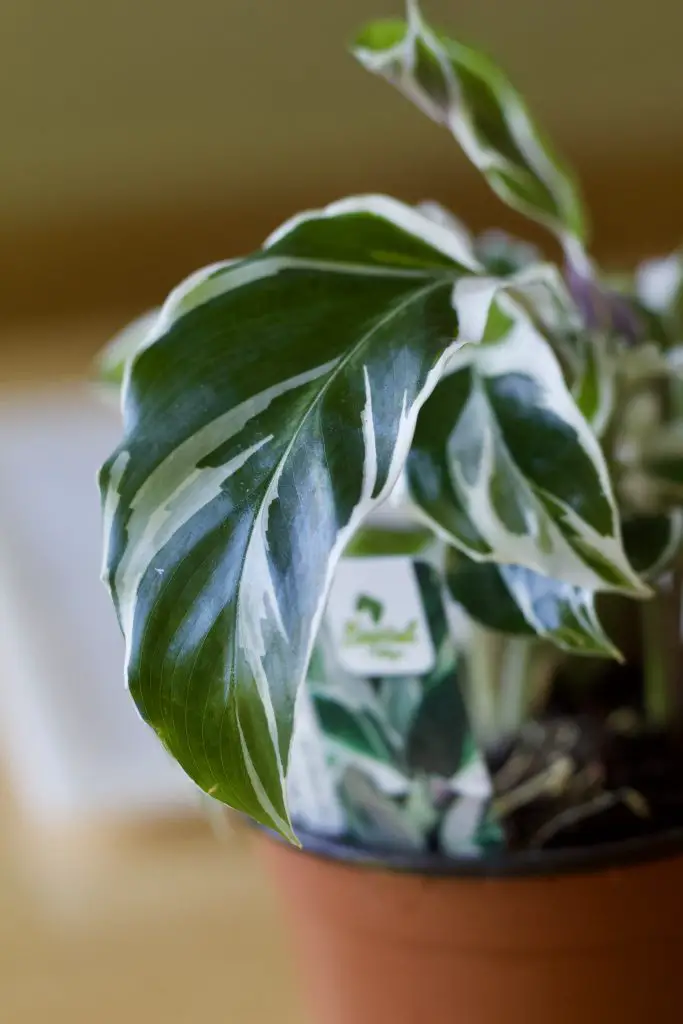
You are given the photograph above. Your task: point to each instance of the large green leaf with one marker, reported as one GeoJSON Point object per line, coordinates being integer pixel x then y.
{"type": "Point", "coordinates": [270, 409]}
{"type": "Point", "coordinates": [513, 599]}
{"type": "Point", "coordinates": [462, 89]}
{"type": "Point", "coordinates": [505, 466]}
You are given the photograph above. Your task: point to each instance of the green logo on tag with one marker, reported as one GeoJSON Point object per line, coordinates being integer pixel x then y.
{"type": "Point", "coordinates": [383, 641]}
{"type": "Point", "coordinates": [371, 605]}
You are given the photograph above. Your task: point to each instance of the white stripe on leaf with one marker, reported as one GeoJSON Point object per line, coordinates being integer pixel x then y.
{"type": "Point", "coordinates": [284, 827]}
{"type": "Point", "coordinates": [557, 541]}
{"type": "Point", "coordinates": [443, 98]}
{"type": "Point", "coordinates": [178, 489]}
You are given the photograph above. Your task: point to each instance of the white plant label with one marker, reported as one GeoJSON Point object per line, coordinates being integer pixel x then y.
{"type": "Point", "coordinates": [376, 620]}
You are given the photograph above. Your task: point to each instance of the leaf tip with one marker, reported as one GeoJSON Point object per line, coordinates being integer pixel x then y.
{"type": "Point", "coordinates": [291, 837]}
{"type": "Point", "coordinates": [644, 591]}
{"type": "Point", "coordinates": [284, 828]}
{"type": "Point", "coordinates": [618, 656]}
{"type": "Point", "coordinates": [377, 36]}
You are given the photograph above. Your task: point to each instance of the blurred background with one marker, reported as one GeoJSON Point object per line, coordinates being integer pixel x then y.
{"type": "Point", "coordinates": [141, 139]}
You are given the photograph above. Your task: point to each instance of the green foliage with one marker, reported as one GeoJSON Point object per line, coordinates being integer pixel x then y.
{"type": "Point", "coordinates": [508, 470]}
{"type": "Point", "coordinates": [274, 402]}
{"type": "Point", "coordinates": [460, 88]}
{"type": "Point", "coordinates": [515, 600]}
{"type": "Point", "coordinates": [218, 569]}
{"type": "Point", "coordinates": [397, 748]}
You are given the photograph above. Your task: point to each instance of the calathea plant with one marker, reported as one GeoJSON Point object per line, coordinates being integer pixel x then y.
{"type": "Point", "coordinates": [274, 402]}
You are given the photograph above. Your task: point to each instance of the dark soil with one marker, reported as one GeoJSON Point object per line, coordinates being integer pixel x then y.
{"type": "Point", "coordinates": [584, 775]}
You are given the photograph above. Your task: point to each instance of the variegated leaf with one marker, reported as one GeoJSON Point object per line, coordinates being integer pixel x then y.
{"type": "Point", "coordinates": [505, 466]}
{"type": "Point", "coordinates": [480, 589]}
{"type": "Point", "coordinates": [374, 818]}
{"type": "Point", "coordinates": [587, 354]}
{"type": "Point", "coordinates": [462, 89]}
{"type": "Point", "coordinates": [515, 600]}
{"type": "Point", "coordinates": [355, 733]}
{"type": "Point", "coordinates": [439, 730]}
{"type": "Point", "coordinates": [269, 411]}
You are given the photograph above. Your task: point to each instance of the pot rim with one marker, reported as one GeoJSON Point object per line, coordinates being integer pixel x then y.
{"type": "Point", "coordinates": [499, 864]}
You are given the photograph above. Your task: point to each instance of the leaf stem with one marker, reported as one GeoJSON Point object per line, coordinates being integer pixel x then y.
{"type": "Point", "coordinates": [500, 679]}
{"type": "Point", "coordinates": [483, 657]}
{"type": "Point", "coordinates": [662, 650]}
{"type": "Point", "coordinates": [655, 683]}
{"type": "Point", "coordinates": [515, 682]}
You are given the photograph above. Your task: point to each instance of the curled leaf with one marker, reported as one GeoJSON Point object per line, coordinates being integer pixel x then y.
{"type": "Point", "coordinates": [460, 88]}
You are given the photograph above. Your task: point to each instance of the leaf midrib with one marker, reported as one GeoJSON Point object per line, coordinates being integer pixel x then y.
{"type": "Point", "coordinates": [436, 280]}
{"type": "Point", "coordinates": [332, 376]}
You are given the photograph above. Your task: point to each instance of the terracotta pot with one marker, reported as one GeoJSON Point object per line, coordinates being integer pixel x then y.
{"type": "Point", "coordinates": [557, 940]}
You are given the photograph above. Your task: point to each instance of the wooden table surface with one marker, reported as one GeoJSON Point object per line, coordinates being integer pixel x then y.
{"type": "Point", "coordinates": [151, 924]}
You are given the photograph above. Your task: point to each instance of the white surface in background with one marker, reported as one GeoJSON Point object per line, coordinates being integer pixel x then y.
{"type": "Point", "coordinates": [69, 731]}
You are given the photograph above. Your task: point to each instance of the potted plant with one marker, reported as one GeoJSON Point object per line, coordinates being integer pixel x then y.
{"type": "Point", "coordinates": [394, 538]}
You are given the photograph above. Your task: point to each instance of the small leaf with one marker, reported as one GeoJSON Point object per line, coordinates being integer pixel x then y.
{"type": "Point", "coordinates": [466, 829]}
{"type": "Point", "coordinates": [438, 730]}
{"type": "Point", "coordinates": [460, 88]}
{"type": "Point", "coordinates": [430, 582]}
{"type": "Point", "coordinates": [480, 588]}
{"type": "Point", "coordinates": [505, 466]}
{"type": "Point", "coordinates": [359, 730]}
{"type": "Point", "coordinates": [374, 818]}
{"type": "Point", "coordinates": [518, 601]}
{"type": "Point", "coordinates": [399, 703]}
{"type": "Point", "coordinates": [559, 612]}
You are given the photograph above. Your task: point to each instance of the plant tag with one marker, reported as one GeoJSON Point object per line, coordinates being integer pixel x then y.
{"type": "Point", "coordinates": [376, 619]}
